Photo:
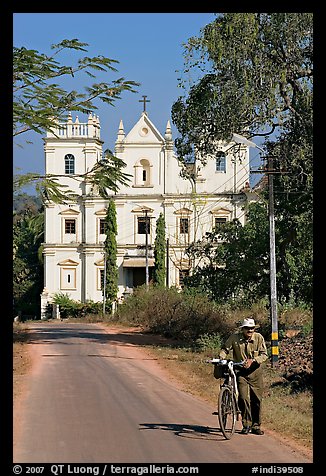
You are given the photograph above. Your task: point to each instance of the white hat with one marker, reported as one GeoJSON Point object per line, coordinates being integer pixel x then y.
{"type": "Point", "coordinates": [248, 322]}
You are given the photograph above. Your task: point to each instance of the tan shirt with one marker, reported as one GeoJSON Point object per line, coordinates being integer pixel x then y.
{"type": "Point", "coordinates": [235, 348]}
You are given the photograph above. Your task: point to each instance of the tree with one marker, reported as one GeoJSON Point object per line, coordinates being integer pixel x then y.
{"type": "Point", "coordinates": [255, 69]}
{"type": "Point", "coordinates": [293, 199]}
{"type": "Point", "coordinates": [40, 103]}
{"type": "Point", "coordinates": [159, 252]}
{"type": "Point", "coordinates": [110, 250]}
{"type": "Point", "coordinates": [233, 259]}
{"type": "Point", "coordinates": [256, 79]}
{"type": "Point", "coordinates": [28, 234]}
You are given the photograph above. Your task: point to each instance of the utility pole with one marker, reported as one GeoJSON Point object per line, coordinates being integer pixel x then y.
{"type": "Point", "coordinates": [274, 317]}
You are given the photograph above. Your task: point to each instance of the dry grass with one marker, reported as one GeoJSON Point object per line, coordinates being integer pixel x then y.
{"type": "Point", "coordinates": [21, 358]}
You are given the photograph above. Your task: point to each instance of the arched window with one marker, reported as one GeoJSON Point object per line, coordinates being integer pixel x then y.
{"type": "Point", "coordinates": [143, 173]}
{"type": "Point", "coordinates": [69, 164]}
{"type": "Point", "coordinates": [220, 162]}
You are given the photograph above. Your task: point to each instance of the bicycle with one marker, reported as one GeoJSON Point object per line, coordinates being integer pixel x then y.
{"type": "Point", "coordinates": [228, 408]}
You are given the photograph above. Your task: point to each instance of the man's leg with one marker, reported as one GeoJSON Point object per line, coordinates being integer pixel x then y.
{"type": "Point", "coordinates": [256, 396]}
{"type": "Point", "coordinates": [244, 402]}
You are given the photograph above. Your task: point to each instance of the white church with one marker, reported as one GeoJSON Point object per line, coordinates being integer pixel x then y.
{"type": "Point", "coordinates": [74, 233]}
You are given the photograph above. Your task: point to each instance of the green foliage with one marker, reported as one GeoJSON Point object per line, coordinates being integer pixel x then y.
{"type": "Point", "coordinates": [235, 259]}
{"type": "Point", "coordinates": [70, 308]}
{"type": "Point", "coordinates": [253, 69]}
{"type": "Point", "coordinates": [195, 321]}
{"type": "Point", "coordinates": [183, 316]}
{"type": "Point", "coordinates": [110, 249]}
{"type": "Point", "coordinates": [40, 104]}
{"type": "Point", "coordinates": [67, 306]}
{"type": "Point", "coordinates": [293, 201]}
{"type": "Point", "coordinates": [209, 342]}
{"type": "Point", "coordinates": [159, 252]}
{"type": "Point", "coordinates": [255, 77]}
{"type": "Point", "coordinates": [107, 175]}
{"type": "Point", "coordinates": [28, 232]}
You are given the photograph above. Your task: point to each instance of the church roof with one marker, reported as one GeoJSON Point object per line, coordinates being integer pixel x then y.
{"type": "Point", "coordinates": [143, 131]}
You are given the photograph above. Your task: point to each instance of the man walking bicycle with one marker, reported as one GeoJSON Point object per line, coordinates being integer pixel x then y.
{"type": "Point", "coordinates": [248, 346]}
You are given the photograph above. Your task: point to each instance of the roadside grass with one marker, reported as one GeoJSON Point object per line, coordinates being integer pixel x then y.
{"type": "Point", "coordinates": [21, 358]}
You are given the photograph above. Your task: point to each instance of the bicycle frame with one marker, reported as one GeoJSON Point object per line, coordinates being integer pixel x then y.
{"type": "Point", "coordinates": [228, 398]}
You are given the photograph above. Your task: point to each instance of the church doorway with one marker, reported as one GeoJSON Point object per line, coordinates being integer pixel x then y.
{"type": "Point", "coordinates": [135, 277]}
{"type": "Point", "coordinates": [138, 277]}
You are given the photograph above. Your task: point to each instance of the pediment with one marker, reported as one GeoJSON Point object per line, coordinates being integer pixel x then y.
{"type": "Point", "coordinates": [101, 212]}
{"type": "Point", "coordinates": [142, 209]}
{"type": "Point", "coordinates": [221, 211]}
{"type": "Point", "coordinates": [69, 211]}
{"type": "Point", "coordinates": [68, 262]}
{"type": "Point", "coordinates": [144, 132]}
{"type": "Point", "coordinates": [100, 262]}
{"type": "Point", "coordinates": [183, 211]}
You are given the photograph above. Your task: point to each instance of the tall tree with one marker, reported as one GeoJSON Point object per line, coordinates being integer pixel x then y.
{"type": "Point", "coordinates": [110, 250]}
{"type": "Point", "coordinates": [40, 103]}
{"type": "Point", "coordinates": [253, 70]}
{"type": "Point", "coordinates": [159, 252]}
{"type": "Point", "coordinates": [255, 78]}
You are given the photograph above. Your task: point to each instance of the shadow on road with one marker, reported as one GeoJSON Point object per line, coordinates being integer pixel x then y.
{"type": "Point", "coordinates": [48, 332]}
{"type": "Point", "coordinates": [187, 431]}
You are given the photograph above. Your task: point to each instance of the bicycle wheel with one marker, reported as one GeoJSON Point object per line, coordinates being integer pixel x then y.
{"type": "Point", "coordinates": [227, 412]}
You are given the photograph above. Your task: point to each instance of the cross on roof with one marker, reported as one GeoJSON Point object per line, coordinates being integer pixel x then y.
{"type": "Point", "coordinates": [144, 100]}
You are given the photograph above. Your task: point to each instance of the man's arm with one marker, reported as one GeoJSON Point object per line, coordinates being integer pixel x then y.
{"type": "Point", "coordinates": [227, 349]}
{"type": "Point", "coordinates": [262, 350]}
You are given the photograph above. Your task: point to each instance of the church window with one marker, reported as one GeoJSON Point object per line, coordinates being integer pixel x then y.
{"type": "Point", "coordinates": [102, 226]}
{"type": "Point", "coordinates": [102, 279]}
{"type": "Point", "coordinates": [220, 162]}
{"type": "Point", "coordinates": [141, 221]}
{"type": "Point", "coordinates": [69, 164]}
{"type": "Point", "coordinates": [70, 226]}
{"type": "Point", "coordinates": [143, 173]}
{"type": "Point", "coordinates": [67, 278]}
{"type": "Point", "coordinates": [220, 220]}
{"type": "Point", "coordinates": [184, 225]}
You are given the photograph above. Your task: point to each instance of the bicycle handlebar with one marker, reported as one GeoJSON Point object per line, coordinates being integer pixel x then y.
{"type": "Point", "coordinates": [224, 362]}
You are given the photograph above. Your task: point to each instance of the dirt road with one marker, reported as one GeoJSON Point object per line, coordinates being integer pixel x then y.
{"type": "Point", "coordinates": [92, 396]}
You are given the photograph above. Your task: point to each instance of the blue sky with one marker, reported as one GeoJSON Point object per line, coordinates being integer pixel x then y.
{"type": "Point", "coordinates": [149, 48]}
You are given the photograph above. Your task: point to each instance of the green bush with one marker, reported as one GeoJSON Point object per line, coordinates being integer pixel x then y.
{"type": "Point", "coordinates": [70, 308]}
{"type": "Point", "coordinates": [181, 315]}
{"type": "Point", "coordinates": [209, 342]}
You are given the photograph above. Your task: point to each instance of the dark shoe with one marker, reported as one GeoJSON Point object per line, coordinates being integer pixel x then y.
{"type": "Point", "coordinates": [245, 430]}
{"type": "Point", "coordinates": [257, 431]}
{"type": "Point", "coordinates": [215, 413]}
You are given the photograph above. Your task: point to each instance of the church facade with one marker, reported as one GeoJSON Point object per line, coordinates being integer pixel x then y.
{"type": "Point", "coordinates": [74, 234]}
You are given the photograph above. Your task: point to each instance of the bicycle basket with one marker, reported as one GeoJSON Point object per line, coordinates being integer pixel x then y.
{"type": "Point", "coordinates": [220, 371]}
